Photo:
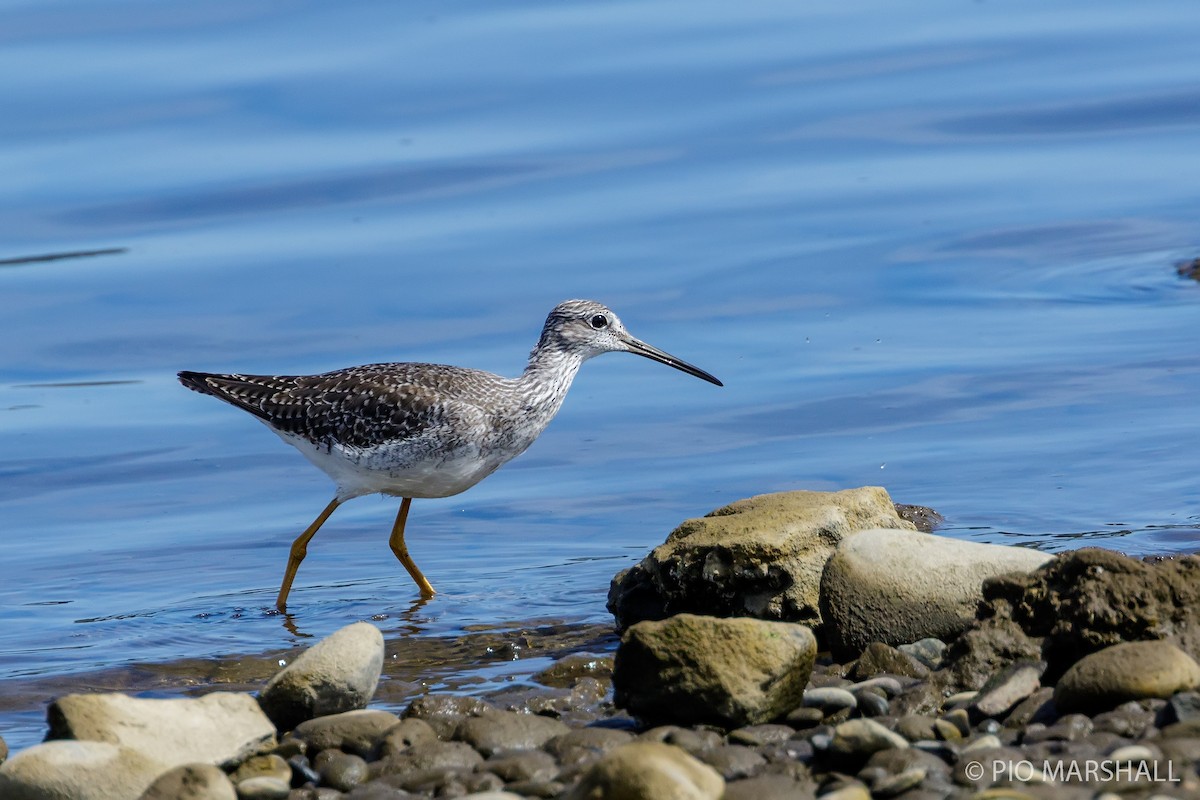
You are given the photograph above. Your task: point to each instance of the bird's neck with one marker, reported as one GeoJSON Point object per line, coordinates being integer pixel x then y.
{"type": "Point", "coordinates": [547, 378]}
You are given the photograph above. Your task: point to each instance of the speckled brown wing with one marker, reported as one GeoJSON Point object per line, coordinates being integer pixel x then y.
{"type": "Point", "coordinates": [359, 407]}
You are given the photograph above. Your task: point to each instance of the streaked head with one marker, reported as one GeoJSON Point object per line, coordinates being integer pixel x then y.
{"type": "Point", "coordinates": [590, 328]}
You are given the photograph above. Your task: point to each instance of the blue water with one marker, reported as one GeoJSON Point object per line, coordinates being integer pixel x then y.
{"type": "Point", "coordinates": [925, 247]}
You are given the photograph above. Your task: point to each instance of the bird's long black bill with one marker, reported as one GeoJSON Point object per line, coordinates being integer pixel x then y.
{"type": "Point", "coordinates": [642, 349]}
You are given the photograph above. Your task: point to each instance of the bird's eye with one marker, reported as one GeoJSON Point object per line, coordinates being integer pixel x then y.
{"type": "Point", "coordinates": [599, 322]}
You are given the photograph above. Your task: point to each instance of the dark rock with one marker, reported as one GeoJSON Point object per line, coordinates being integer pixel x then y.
{"type": "Point", "coordinates": [352, 731]}
{"type": "Point", "coordinates": [401, 736]}
{"type": "Point", "coordinates": [733, 761]}
{"type": "Point", "coordinates": [1004, 690]}
{"type": "Point", "coordinates": [530, 765]}
{"type": "Point", "coordinates": [1128, 720]}
{"type": "Point", "coordinates": [871, 704]}
{"type": "Point", "coordinates": [829, 699]}
{"type": "Point", "coordinates": [881, 659]}
{"type": "Point", "coordinates": [432, 756]}
{"type": "Point", "coordinates": [929, 651]}
{"type": "Point", "coordinates": [691, 741]}
{"type": "Point", "coordinates": [1038, 707]}
{"type": "Point", "coordinates": [504, 731]}
{"type": "Point", "coordinates": [805, 717]}
{"type": "Point", "coordinates": [923, 519]}
{"type": "Point", "coordinates": [343, 771]}
{"type": "Point", "coordinates": [445, 712]}
{"type": "Point", "coordinates": [566, 672]}
{"type": "Point", "coordinates": [1182, 707]}
{"type": "Point", "coordinates": [1070, 728]}
{"type": "Point", "coordinates": [729, 672]}
{"type": "Point", "coordinates": [855, 741]}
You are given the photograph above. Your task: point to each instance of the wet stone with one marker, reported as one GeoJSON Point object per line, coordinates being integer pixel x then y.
{"type": "Point", "coordinates": [564, 673]}
{"type": "Point", "coordinates": [871, 704]}
{"type": "Point", "coordinates": [829, 700]}
{"type": "Point", "coordinates": [930, 652]}
{"type": "Point", "coordinates": [302, 771]}
{"type": "Point", "coordinates": [445, 712]}
{"type": "Point", "coordinates": [802, 718]}
{"type": "Point", "coordinates": [353, 731]}
{"type": "Point", "coordinates": [501, 731]}
{"type": "Point", "coordinates": [269, 766]}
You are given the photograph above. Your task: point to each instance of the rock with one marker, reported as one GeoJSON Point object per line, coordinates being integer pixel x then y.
{"type": "Point", "coordinates": [880, 659]}
{"type": "Point", "coordinates": [857, 740]}
{"type": "Point", "coordinates": [267, 766]}
{"type": "Point", "coordinates": [567, 671]}
{"type": "Point", "coordinates": [1006, 689]}
{"type": "Point", "coordinates": [649, 771]}
{"type": "Point", "coordinates": [829, 699]}
{"type": "Point", "coordinates": [582, 744]}
{"type": "Point", "coordinates": [338, 673]}
{"type": "Point", "coordinates": [929, 651]}
{"type": "Point", "coordinates": [760, 557]}
{"type": "Point", "coordinates": [191, 782]}
{"type": "Point", "coordinates": [1038, 707]}
{"type": "Point", "coordinates": [402, 736]}
{"type": "Point", "coordinates": [502, 731]}
{"type": "Point", "coordinates": [343, 771]}
{"type": "Point", "coordinates": [353, 731]}
{"type": "Point", "coordinates": [896, 586]}
{"type": "Point", "coordinates": [759, 735]}
{"type": "Point", "coordinates": [3, 750]}
{"type": "Point", "coordinates": [733, 761]}
{"type": "Point", "coordinates": [1182, 707]}
{"type": "Point", "coordinates": [1089, 599]}
{"type": "Point", "coordinates": [77, 770]}
{"type": "Point", "coordinates": [432, 756]}
{"type": "Point", "coordinates": [1128, 671]}
{"type": "Point", "coordinates": [690, 740]}
{"type": "Point", "coordinates": [989, 647]}
{"type": "Point", "coordinates": [214, 729]}
{"type": "Point", "coordinates": [731, 672]}
{"type": "Point", "coordinates": [525, 765]}
{"type": "Point", "coordinates": [263, 788]}
{"type": "Point", "coordinates": [445, 712]}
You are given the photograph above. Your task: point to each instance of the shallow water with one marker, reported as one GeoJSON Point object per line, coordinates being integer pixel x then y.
{"type": "Point", "coordinates": [924, 248]}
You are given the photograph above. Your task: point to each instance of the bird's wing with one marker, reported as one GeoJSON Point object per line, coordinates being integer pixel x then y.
{"type": "Point", "coordinates": [356, 407]}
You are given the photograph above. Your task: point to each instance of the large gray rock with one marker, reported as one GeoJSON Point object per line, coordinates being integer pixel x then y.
{"type": "Point", "coordinates": [649, 771]}
{"type": "Point", "coordinates": [1123, 672]}
{"type": "Point", "coordinates": [897, 587]}
{"type": "Point", "coordinates": [503, 731]}
{"type": "Point", "coordinates": [217, 728]}
{"type": "Point", "coordinates": [732, 672]}
{"type": "Point", "coordinates": [760, 557]}
{"type": "Point", "coordinates": [338, 673]}
{"type": "Point", "coordinates": [70, 770]}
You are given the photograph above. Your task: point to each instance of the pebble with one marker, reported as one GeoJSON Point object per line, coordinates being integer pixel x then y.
{"type": "Point", "coordinates": [268, 766]}
{"type": "Point", "coordinates": [829, 699]}
{"type": "Point", "coordinates": [344, 771]}
{"type": "Point", "coordinates": [191, 782]}
{"type": "Point", "coordinates": [263, 788]}
{"type": "Point", "coordinates": [501, 731]}
{"type": "Point", "coordinates": [929, 651]}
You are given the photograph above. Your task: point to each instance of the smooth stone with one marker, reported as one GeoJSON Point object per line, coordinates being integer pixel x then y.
{"type": "Point", "coordinates": [857, 740]}
{"type": "Point", "coordinates": [851, 792]}
{"type": "Point", "coordinates": [445, 712]}
{"type": "Point", "coordinates": [502, 731]}
{"type": "Point", "coordinates": [1006, 689]}
{"type": "Point", "coordinates": [528, 765]}
{"type": "Point", "coordinates": [352, 731]}
{"type": "Point", "coordinates": [344, 771]}
{"type": "Point", "coordinates": [829, 699]}
{"type": "Point", "coordinates": [649, 771]}
{"type": "Point", "coordinates": [872, 705]}
{"type": "Point", "coordinates": [897, 587]}
{"type": "Point", "coordinates": [986, 742]}
{"type": "Point", "coordinates": [77, 770]}
{"type": "Point", "coordinates": [337, 674]}
{"type": "Point", "coordinates": [432, 756]}
{"type": "Point", "coordinates": [890, 686]}
{"type": "Point", "coordinates": [733, 761]}
{"type": "Point", "coordinates": [268, 766]}
{"type": "Point", "coordinates": [892, 785]}
{"type": "Point", "coordinates": [690, 740]}
{"type": "Point", "coordinates": [758, 735]}
{"type": "Point", "coordinates": [1132, 753]}
{"type": "Point", "coordinates": [263, 789]}
{"type": "Point", "coordinates": [929, 651]}
{"type": "Point", "coordinates": [730, 672]}
{"type": "Point", "coordinates": [1122, 672]}
{"type": "Point", "coordinates": [191, 782]}
{"type": "Point", "coordinates": [218, 728]}
{"type": "Point", "coordinates": [1038, 707]}
{"type": "Point", "coordinates": [758, 557]}
{"type": "Point", "coordinates": [580, 743]}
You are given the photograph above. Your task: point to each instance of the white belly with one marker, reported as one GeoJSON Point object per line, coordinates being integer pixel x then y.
{"type": "Point", "coordinates": [359, 472]}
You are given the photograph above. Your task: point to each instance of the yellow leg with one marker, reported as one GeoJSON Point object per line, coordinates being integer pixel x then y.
{"type": "Point", "coordinates": [299, 549]}
{"type": "Point", "coordinates": [401, 550]}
